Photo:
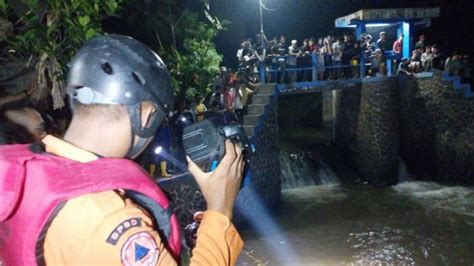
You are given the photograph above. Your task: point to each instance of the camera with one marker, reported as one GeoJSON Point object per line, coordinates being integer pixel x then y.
{"type": "Point", "coordinates": [204, 142]}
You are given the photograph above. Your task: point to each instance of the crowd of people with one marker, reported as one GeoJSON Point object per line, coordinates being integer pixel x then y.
{"type": "Point", "coordinates": [227, 104]}
{"type": "Point", "coordinates": [339, 57]}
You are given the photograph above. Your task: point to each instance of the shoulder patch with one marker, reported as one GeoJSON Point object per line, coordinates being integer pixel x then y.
{"type": "Point", "coordinates": [140, 249]}
{"type": "Point", "coordinates": [122, 228]}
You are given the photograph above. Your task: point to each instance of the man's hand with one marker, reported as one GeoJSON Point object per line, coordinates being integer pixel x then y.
{"type": "Point", "coordinates": [220, 187]}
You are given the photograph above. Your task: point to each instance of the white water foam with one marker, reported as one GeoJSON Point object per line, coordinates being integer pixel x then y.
{"type": "Point", "coordinates": [298, 171]}
{"type": "Point", "coordinates": [455, 199]}
{"type": "Point", "coordinates": [314, 194]}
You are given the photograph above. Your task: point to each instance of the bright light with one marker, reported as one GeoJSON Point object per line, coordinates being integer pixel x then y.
{"type": "Point", "coordinates": [158, 150]}
{"type": "Point", "coordinates": [170, 158]}
{"type": "Point", "coordinates": [183, 119]}
{"type": "Point", "coordinates": [262, 221]}
{"type": "Point", "coordinates": [352, 26]}
{"type": "Point", "coordinates": [373, 25]}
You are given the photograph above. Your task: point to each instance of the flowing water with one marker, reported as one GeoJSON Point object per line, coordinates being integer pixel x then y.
{"type": "Point", "coordinates": [301, 169]}
{"type": "Point", "coordinates": [412, 223]}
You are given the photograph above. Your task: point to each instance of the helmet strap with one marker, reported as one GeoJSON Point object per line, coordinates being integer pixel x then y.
{"type": "Point", "coordinates": [134, 112]}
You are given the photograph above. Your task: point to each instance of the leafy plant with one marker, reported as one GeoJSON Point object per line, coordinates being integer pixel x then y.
{"type": "Point", "coordinates": [184, 33]}
{"type": "Point", "coordinates": [52, 31]}
{"type": "Point", "coordinates": [197, 63]}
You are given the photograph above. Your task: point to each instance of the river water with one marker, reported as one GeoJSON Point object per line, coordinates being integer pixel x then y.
{"type": "Point", "coordinates": [411, 223]}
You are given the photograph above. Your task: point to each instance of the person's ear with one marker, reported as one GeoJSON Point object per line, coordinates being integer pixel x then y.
{"type": "Point", "coordinates": [147, 111]}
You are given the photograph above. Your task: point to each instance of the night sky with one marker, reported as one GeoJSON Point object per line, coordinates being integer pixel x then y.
{"type": "Point", "coordinates": [299, 19]}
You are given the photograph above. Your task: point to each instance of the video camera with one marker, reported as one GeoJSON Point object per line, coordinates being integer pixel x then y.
{"type": "Point", "coordinates": [204, 142]}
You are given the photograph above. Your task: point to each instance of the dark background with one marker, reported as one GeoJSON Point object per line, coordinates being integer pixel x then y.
{"type": "Point", "coordinates": [299, 19]}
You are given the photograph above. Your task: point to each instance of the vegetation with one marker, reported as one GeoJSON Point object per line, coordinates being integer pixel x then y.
{"type": "Point", "coordinates": [49, 32]}
{"type": "Point", "coordinates": [183, 33]}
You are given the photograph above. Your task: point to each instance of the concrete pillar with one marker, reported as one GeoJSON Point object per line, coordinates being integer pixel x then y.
{"type": "Point", "coordinates": [328, 106]}
{"type": "Point", "coordinates": [360, 30]}
{"type": "Point", "coordinates": [377, 135]}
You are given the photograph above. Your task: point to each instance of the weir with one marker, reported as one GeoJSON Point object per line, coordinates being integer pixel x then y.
{"type": "Point", "coordinates": [300, 170]}
{"type": "Point", "coordinates": [375, 121]}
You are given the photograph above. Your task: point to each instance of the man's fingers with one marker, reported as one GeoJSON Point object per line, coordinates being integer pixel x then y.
{"type": "Point", "coordinates": [195, 170]}
{"type": "Point", "coordinates": [230, 154]}
{"type": "Point", "coordinates": [239, 155]}
{"type": "Point", "coordinates": [241, 164]}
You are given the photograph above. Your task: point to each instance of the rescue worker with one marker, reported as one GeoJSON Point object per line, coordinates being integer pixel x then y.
{"type": "Point", "coordinates": [77, 201]}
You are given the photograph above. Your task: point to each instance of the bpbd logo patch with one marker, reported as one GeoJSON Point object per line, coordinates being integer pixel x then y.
{"type": "Point", "coordinates": [122, 228]}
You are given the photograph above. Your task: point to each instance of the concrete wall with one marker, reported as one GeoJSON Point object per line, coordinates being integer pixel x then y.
{"type": "Point", "coordinates": [265, 166]}
{"type": "Point", "coordinates": [426, 120]}
{"type": "Point", "coordinates": [437, 129]}
{"type": "Point", "coordinates": [367, 128]}
{"type": "Point", "coordinates": [377, 142]}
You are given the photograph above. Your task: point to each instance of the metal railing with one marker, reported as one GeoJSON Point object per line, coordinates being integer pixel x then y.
{"type": "Point", "coordinates": [279, 70]}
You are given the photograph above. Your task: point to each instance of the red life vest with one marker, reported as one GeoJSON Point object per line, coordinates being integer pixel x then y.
{"type": "Point", "coordinates": [34, 186]}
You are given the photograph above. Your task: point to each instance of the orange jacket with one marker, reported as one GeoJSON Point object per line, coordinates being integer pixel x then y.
{"type": "Point", "coordinates": [78, 234]}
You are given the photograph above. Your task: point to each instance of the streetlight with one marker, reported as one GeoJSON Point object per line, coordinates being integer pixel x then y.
{"type": "Point", "coordinates": [261, 16]}
{"type": "Point", "coordinates": [262, 7]}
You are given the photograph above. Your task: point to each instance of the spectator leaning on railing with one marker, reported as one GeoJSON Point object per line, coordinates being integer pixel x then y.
{"type": "Point", "coordinates": [415, 61]}
{"type": "Point", "coordinates": [404, 67]}
{"type": "Point", "coordinates": [453, 64]}
{"type": "Point", "coordinates": [421, 42]}
{"type": "Point", "coordinates": [368, 46]}
{"type": "Point", "coordinates": [376, 61]}
{"type": "Point", "coordinates": [293, 52]}
{"type": "Point", "coordinates": [335, 58]}
{"type": "Point", "coordinates": [427, 59]}
{"type": "Point", "coordinates": [397, 50]}
{"type": "Point", "coordinates": [437, 60]}
{"type": "Point", "coordinates": [347, 54]}
{"type": "Point", "coordinates": [355, 59]}
{"type": "Point", "coordinates": [382, 41]}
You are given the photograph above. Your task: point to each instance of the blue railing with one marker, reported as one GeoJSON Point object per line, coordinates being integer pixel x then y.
{"type": "Point", "coordinates": [280, 69]}
{"type": "Point", "coordinates": [464, 88]}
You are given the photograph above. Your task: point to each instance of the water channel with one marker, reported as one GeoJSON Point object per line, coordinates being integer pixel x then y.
{"type": "Point", "coordinates": [327, 222]}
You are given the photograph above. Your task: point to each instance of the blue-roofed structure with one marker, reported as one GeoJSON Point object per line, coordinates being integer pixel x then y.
{"type": "Point", "coordinates": [406, 21]}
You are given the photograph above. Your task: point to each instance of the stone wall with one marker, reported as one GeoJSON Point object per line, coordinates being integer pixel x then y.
{"type": "Point", "coordinates": [377, 137]}
{"type": "Point", "coordinates": [328, 106]}
{"type": "Point", "coordinates": [265, 166]}
{"type": "Point", "coordinates": [367, 128]}
{"type": "Point", "coordinates": [424, 120]}
{"type": "Point", "coordinates": [437, 129]}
